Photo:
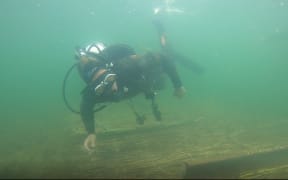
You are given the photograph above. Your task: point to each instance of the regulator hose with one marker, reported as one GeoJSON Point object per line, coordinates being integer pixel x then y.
{"type": "Point", "coordinates": [64, 92]}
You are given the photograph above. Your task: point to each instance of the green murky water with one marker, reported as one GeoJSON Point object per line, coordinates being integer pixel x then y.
{"type": "Point", "coordinates": [242, 93]}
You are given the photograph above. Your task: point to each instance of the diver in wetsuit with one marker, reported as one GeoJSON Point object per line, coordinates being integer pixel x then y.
{"type": "Point", "coordinates": [116, 72]}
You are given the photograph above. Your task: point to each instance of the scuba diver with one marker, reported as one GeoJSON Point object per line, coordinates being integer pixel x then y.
{"type": "Point", "coordinates": [116, 72]}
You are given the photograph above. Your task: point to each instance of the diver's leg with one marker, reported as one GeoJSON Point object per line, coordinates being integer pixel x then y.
{"type": "Point", "coordinates": [161, 33]}
{"type": "Point", "coordinates": [167, 49]}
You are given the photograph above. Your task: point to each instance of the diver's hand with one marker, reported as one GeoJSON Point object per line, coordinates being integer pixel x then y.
{"type": "Point", "coordinates": [90, 142]}
{"type": "Point", "coordinates": [180, 92]}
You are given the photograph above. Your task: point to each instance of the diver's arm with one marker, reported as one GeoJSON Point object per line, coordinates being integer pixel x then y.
{"type": "Point", "coordinates": [90, 142]}
{"type": "Point", "coordinates": [179, 90]}
{"type": "Point", "coordinates": [170, 69]}
{"type": "Point", "coordinates": [87, 116]}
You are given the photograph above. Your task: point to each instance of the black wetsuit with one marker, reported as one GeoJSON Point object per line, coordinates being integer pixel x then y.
{"type": "Point", "coordinates": [134, 74]}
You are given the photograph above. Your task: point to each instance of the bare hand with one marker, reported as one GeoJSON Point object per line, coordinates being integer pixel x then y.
{"type": "Point", "coordinates": [90, 142]}
{"type": "Point", "coordinates": [180, 92]}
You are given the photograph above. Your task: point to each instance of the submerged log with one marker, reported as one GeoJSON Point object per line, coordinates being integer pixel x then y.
{"type": "Point", "coordinates": [272, 164]}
